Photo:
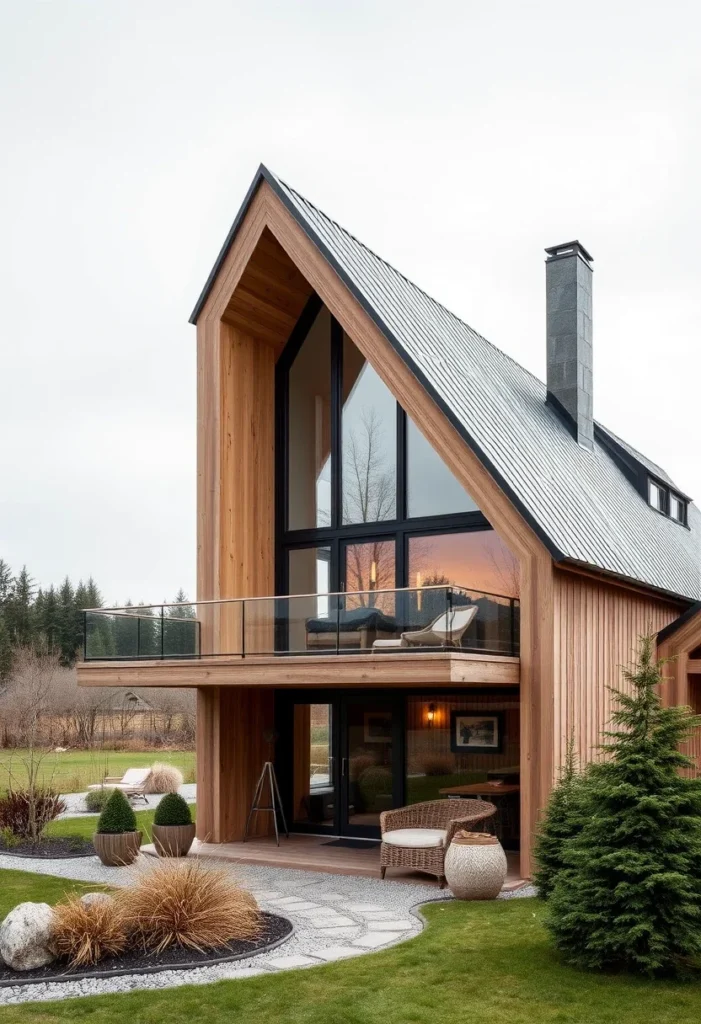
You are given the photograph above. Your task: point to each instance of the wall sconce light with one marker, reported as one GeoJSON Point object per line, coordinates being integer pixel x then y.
{"type": "Point", "coordinates": [373, 575]}
{"type": "Point", "coordinates": [431, 714]}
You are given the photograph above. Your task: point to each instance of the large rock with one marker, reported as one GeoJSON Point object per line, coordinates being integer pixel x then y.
{"type": "Point", "coordinates": [26, 937]}
{"type": "Point", "coordinates": [95, 897]}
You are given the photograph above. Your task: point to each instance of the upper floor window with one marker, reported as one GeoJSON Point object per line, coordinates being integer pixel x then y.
{"type": "Point", "coordinates": [432, 490]}
{"type": "Point", "coordinates": [309, 430]}
{"type": "Point", "coordinates": [667, 502]}
{"type": "Point", "coordinates": [369, 442]}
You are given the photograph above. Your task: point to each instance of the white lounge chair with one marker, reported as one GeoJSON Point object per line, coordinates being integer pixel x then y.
{"type": "Point", "coordinates": [132, 783]}
{"type": "Point", "coordinates": [445, 631]}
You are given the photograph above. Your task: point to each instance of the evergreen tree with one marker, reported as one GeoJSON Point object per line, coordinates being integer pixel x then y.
{"type": "Point", "coordinates": [630, 895]}
{"type": "Point", "coordinates": [47, 618]}
{"type": "Point", "coordinates": [19, 611]}
{"type": "Point", "coordinates": [69, 637]}
{"type": "Point", "coordinates": [567, 812]}
{"type": "Point", "coordinates": [180, 628]}
{"type": "Point", "coordinates": [6, 582]}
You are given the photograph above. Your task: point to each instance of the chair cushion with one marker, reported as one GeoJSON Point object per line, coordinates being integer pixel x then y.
{"type": "Point", "coordinates": [415, 838]}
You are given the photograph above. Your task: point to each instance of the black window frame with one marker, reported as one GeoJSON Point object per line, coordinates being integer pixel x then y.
{"type": "Point", "coordinates": [334, 535]}
{"type": "Point", "coordinates": [667, 494]}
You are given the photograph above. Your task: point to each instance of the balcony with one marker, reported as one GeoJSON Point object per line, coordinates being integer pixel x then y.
{"type": "Point", "coordinates": [319, 638]}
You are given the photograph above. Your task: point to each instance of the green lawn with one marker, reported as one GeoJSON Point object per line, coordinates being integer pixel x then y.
{"type": "Point", "coordinates": [75, 770]}
{"type": "Point", "coordinates": [486, 963]}
{"type": "Point", "coordinates": [23, 886]}
{"type": "Point", "coordinates": [85, 825]}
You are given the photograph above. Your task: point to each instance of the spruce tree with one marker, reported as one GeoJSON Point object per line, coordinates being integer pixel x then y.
{"type": "Point", "coordinates": [565, 816]}
{"type": "Point", "coordinates": [19, 611]}
{"type": "Point", "coordinates": [630, 895]}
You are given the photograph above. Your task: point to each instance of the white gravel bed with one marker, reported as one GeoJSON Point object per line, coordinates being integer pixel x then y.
{"type": "Point", "coordinates": [335, 917]}
{"type": "Point", "coordinates": [75, 802]}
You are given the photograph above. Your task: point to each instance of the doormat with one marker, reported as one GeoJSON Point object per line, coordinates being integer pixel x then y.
{"type": "Point", "coordinates": [353, 844]}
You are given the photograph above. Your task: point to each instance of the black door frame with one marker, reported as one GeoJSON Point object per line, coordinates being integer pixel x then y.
{"type": "Point", "coordinates": [340, 754]}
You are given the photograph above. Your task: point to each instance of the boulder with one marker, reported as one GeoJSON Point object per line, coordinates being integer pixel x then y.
{"type": "Point", "coordinates": [26, 937]}
{"type": "Point", "coordinates": [95, 897]}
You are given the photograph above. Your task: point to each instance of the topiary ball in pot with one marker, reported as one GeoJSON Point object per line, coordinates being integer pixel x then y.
{"type": "Point", "coordinates": [117, 840]}
{"type": "Point", "coordinates": [173, 828]}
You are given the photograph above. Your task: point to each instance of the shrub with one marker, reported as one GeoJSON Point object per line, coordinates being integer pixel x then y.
{"type": "Point", "coordinates": [172, 810]}
{"type": "Point", "coordinates": [117, 816]}
{"type": "Point", "coordinates": [96, 799]}
{"type": "Point", "coordinates": [188, 903]}
{"type": "Point", "coordinates": [85, 932]}
{"type": "Point", "coordinates": [8, 838]}
{"type": "Point", "coordinates": [16, 811]}
{"type": "Point", "coordinates": [359, 764]}
{"type": "Point", "coordinates": [629, 897]}
{"type": "Point", "coordinates": [164, 778]}
{"type": "Point", "coordinates": [438, 764]}
{"type": "Point", "coordinates": [565, 816]}
{"type": "Point", "coordinates": [373, 783]}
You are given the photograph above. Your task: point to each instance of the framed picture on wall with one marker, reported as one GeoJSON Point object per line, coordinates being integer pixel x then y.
{"type": "Point", "coordinates": [477, 732]}
{"type": "Point", "coordinates": [377, 727]}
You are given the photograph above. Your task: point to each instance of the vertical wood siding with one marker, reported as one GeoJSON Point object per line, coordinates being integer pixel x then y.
{"type": "Point", "coordinates": [597, 626]}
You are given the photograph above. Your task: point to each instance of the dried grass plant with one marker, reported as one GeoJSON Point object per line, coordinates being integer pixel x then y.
{"type": "Point", "coordinates": [85, 933]}
{"type": "Point", "coordinates": [164, 778]}
{"type": "Point", "coordinates": [188, 903]}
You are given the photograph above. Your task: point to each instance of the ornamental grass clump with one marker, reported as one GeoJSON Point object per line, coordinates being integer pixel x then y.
{"type": "Point", "coordinates": [164, 778]}
{"type": "Point", "coordinates": [629, 895]}
{"type": "Point", "coordinates": [117, 817]}
{"type": "Point", "coordinates": [172, 810]}
{"type": "Point", "coordinates": [190, 904]}
{"type": "Point", "coordinates": [86, 932]}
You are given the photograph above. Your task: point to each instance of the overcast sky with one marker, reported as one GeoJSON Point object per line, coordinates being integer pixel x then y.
{"type": "Point", "coordinates": [456, 139]}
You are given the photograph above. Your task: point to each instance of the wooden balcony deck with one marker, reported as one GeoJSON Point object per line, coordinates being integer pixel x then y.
{"type": "Point", "coordinates": [398, 668]}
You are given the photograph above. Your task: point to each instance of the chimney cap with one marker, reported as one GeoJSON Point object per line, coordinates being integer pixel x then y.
{"type": "Point", "coordinates": [559, 252]}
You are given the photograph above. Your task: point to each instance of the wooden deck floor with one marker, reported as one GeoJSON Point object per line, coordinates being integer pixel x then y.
{"type": "Point", "coordinates": [313, 853]}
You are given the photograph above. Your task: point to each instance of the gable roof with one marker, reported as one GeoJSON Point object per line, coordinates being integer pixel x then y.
{"type": "Point", "coordinates": [579, 502]}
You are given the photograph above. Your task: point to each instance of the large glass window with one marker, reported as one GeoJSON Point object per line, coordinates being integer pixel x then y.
{"type": "Point", "coordinates": [306, 618]}
{"type": "Point", "coordinates": [309, 430]}
{"type": "Point", "coordinates": [369, 440]}
{"type": "Point", "coordinates": [432, 490]}
{"type": "Point", "coordinates": [470, 742]}
{"type": "Point", "coordinates": [477, 559]}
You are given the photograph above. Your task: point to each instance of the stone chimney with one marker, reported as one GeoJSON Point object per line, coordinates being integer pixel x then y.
{"type": "Point", "coordinates": [568, 287]}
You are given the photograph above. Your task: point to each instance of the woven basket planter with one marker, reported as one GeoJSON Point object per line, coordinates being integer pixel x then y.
{"type": "Point", "coordinates": [475, 866]}
{"type": "Point", "coordinates": [173, 840]}
{"type": "Point", "coordinates": [117, 850]}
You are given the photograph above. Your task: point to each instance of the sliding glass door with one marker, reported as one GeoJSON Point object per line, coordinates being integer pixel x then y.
{"type": "Point", "coordinates": [340, 761]}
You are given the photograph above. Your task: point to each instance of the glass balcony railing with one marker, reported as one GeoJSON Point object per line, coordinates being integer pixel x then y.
{"type": "Point", "coordinates": [373, 621]}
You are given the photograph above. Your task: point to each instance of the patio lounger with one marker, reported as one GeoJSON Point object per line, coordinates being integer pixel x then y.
{"type": "Point", "coordinates": [447, 630]}
{"type": "Point", "coordinates": [132, 783]}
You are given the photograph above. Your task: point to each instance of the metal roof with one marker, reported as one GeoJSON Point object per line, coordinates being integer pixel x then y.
{"type": "Point", "coordinates": [578, 501]}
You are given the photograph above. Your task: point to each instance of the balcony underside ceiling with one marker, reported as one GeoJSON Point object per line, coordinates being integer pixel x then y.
{"type": "Point", "coordinates": [436, 668]}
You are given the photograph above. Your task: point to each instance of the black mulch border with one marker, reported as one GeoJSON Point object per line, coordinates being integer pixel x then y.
{"type": "Point", "coordinates": [57, 848]}
{"type": "Point", "coordinates": [52, 974]}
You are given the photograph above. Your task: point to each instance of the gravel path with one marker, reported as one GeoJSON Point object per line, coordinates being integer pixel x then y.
{"type": "Point", "coordinates": [335, 917]}
{"type": "Point", "coordinates": [75, 802]}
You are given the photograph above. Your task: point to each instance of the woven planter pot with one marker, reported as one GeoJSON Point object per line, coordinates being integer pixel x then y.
{"type": "Point", "coordinates": [475, 866]}
{"type": "Point", "coordinates": [173, 840]}
{"type": "Point", "coordinates": [115, 851]}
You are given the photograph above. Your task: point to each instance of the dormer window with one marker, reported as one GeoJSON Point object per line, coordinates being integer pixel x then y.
{"type": "Point", "coordinates": [657, 496]}
{"type": "Point", "coordinates": [677, 508]}
{"type": "Point", "coordinates": [666, 501]}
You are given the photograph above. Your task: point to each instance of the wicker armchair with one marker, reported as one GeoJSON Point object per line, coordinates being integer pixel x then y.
{"type": "Point", "coordinates": [445, 815]}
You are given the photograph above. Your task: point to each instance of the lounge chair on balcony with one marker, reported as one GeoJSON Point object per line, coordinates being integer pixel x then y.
{"type": "Point", "coordinates": [133, 783]}
{"type": "Point", "coordinates": [445, 631]}
{"type": "Point", "coordinates": [355, 628]}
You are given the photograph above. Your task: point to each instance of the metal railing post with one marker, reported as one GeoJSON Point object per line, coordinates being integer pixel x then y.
{"type": "Point", "coordinates": [243, 629]}
{"type": "Point", "coordinates": [163, 614]}
{"type": "Point", "coordinates": [138, 636]}
{"type": "Point", "coordinates": [85, 636]}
